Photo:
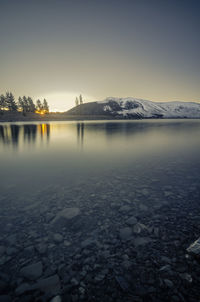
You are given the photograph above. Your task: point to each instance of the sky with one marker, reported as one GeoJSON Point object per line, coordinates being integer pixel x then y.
{"type": "Point", "coordinates": [57, 49]}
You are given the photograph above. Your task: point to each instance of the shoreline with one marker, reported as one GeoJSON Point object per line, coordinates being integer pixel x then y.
{"type": "Point", "coordinates": [34, 117]}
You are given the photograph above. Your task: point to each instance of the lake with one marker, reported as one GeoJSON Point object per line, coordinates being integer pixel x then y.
{"type": "Point", "coordinates": [37, 155]}
{"type": "Point", "coordinates": [112, 172]}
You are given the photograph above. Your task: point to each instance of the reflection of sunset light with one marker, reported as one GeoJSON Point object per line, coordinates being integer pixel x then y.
{"type": "Point", "coordinates": [44, 128]}
{"type": "Point", "coordinates": [4, 109]}
{"type": "Point", "coordinates": [41, 112]}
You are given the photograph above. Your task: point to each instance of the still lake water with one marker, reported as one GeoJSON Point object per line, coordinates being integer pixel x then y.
{"type": "Point", "coordinates": [135, 187]}
{"type": "Point", "coordinates": [78, 159]}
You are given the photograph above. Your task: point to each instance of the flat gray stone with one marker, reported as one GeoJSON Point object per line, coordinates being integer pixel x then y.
{"type": "Point", "coordinates": [66, 215]}
{"type": "Point", "coordinates": [41, 248]}
{"type": "Point", "coordinates": [131, 221]}
{"type": "Point", "coordinates": [50, 286]}
{"type": "Point", "coordinates": [12, 239]}
{"type": "Point", "coordinates": [125, 234]}
{"type": "Point", "coordinates": [22, 288]}
{"type": "Point", "coordinates": [58, 238]}
{"type": "Point", "coordinates": [67, 243]}
{"type": "Point", "coordinates": [125, 209]}
{"type": "Point", "coordinates": [141, 241]}
{"type": "Point", "coordinates": [32, 271]}
{"type": "Point", "coordinates": [87, 242]}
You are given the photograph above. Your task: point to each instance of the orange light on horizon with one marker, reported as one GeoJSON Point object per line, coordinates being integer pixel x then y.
{"type": "Point", "coordinates": [41, 112]}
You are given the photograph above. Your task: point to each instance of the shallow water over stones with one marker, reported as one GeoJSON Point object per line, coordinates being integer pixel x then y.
{"type": "Point", "coordinates": [111, 227]}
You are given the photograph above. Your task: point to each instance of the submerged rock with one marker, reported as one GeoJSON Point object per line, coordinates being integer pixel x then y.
{"type": "Point", "coordinates": [32, 271]}
{"type": "Point", "coordinates": [168, 283]}
{"type": "Point", "coordinates": [66, 215]}
{"type": "Point", "coordinates": [187, 277]}
{"type": "Point", "coordinates": [125, 209]}
{"type": "Point", "coordinates": [22, 288]}
{"type": "Point", "coordinates": [131, 221]}
{"type": "Point", "coordinates": [56, 299]}
{"type": "Point", "coordinates": [125, 233]}
{"type": "Point", "coordinates": [58, 237]}
{"type": "Point", "coordinates": [141, 241]}
{"type": "Point", "coordinates": [139, 227]}
{"type": "Point", "coordinates": [194, 248]}
{"type": "Point", "coordinates": [88, 242]}
{"type": "Point", "coordinates": [50, 286]}
{"type": "Point", "coordinates": [41, 248]}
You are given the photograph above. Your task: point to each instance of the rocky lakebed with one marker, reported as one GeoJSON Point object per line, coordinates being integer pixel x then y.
{"type": "Point", "coordinates": [107, 240]}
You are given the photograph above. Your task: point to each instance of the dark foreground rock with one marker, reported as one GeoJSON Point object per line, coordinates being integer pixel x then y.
{"type": "Point", "coordinates": [32, 271]}
{"type": "Point", "coordinates": [104, 244]}
{"type": "Point", "coordinates": [194, 248]}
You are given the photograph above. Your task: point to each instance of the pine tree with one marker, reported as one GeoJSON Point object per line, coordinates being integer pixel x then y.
{"type": "Point", "coordinates": [25, 104]}
{"type": "Point", "coordinates": [38, 105]}
{"type": "Point", "coordinates": [31, 105]}
{"type": "Point", "coordinates": [2, 103]}
{"type": "Point", "coordinates": [81, 99]}
{"type": "Point", "coordinates": [76, 101]}
{"type": "Point", "coordinates": [45, 106]}
{"type": "Point", "coordinates": [10, 102]}
{"type": "Point", "coordinates": [21, 104]}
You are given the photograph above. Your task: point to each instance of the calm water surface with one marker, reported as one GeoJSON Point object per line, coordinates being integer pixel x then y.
{"type": "Point", "coordinates": [135, 187]}
{"type": "Point", "coordinates": [96, 156]}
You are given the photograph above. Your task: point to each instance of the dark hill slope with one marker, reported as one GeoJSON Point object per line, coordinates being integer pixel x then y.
{"type": "Point", "coordinates": [92, 108]}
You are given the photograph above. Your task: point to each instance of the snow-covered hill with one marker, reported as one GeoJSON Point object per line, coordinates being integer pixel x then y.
{"type": "Point", "coordinates": [138, 108]}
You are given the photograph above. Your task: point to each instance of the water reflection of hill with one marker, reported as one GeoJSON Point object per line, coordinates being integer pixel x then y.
{"type": "Point", "coordinates": [13, 134]}
{"type": "Point", "coordinates": [30, 134]}
{"type": "Point", "coordinates": [134, 128]}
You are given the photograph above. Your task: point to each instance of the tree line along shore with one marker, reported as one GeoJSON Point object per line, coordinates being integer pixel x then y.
{"type": "Point", "coordinates": [24, 109]}
{"type": "Point", "coordinates": [23, 105]}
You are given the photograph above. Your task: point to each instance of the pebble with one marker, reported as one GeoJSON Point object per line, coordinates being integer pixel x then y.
{"type": "Point", "coordinates": [32, 271]}
{"type": "Point", "coordinates": [125, 233]}
{"type": "Point", "coordinates": [58, 238]}
{"type": "Point", "coordinates": [194, 248]}
{"type": "Point", "coordinates": [131, 221]}
{"type": "Point", "coordinates": [56, 299]}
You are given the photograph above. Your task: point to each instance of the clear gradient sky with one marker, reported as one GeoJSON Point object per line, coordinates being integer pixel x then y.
{"type": "Point", "coordinates": [60, 48]}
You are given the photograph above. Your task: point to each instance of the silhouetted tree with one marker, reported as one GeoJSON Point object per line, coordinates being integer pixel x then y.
{"type": "Point", "coordinates": [45, 106]}
{"type": "Point", "coordinates": [25, 104]}
{"type": "Point", "coordinates": [21, 106]}
{"type": "Point", "coordinates": [38, 105]}
{"type": "Point", "coordinates": [76, 101]}
{"type": "Point", "coordinates": [2, 103]}
{"type": "Point", "coordinates": [81, 99]}
{"type": "Point", "coordinates": [31, 105]}
{"type": "Point", "coordinates": [10, 102]}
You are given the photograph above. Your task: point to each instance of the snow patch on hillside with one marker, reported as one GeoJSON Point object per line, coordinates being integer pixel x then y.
{"type": "Point", "coordinates": [148, 109]}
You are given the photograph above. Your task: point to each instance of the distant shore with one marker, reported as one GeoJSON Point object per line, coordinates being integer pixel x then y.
{"type": "Point", "coordinates": [34, 117]}
{"type": "Point", "coordinates": [8, 117]}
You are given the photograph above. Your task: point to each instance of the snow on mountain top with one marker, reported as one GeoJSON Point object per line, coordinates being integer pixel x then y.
{"type": "Point", "coordinates": [144, 108]}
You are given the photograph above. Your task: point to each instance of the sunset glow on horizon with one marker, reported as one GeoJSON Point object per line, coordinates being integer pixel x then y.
{"type": "Point", "coordinates": [141, 49]}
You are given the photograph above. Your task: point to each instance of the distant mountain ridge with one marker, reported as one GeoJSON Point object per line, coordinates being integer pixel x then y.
{"type": "Point", "coordinates": [134, 108]}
